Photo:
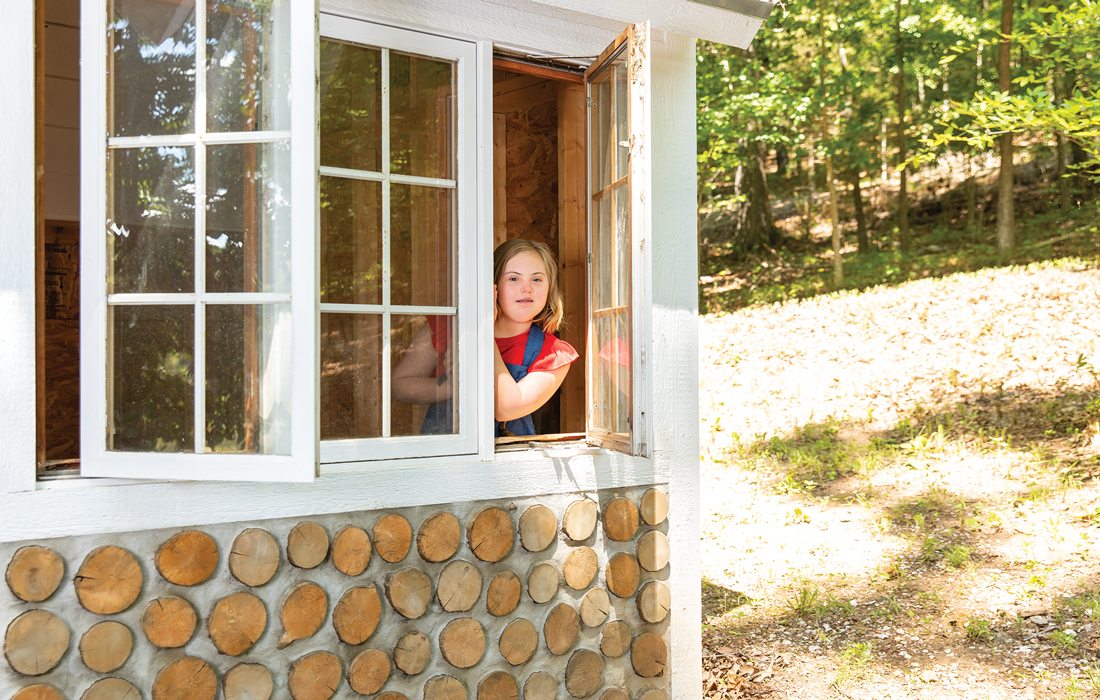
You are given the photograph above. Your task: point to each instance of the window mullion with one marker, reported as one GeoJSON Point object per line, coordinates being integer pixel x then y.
{"type": "Point", "coordinates": [386, 272]}
{"type": "Point", "coordinates": [200, 228]}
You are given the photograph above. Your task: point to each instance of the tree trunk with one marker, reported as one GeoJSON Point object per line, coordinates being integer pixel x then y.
{"type": "Point", "coordinates": [755, 227]}
{"type": "Point", "coordinates": [903, 193]}
{"type": "Point", "coordinates": [861, 218]}
{"type": "Point", "coordinates": [1005, 209]}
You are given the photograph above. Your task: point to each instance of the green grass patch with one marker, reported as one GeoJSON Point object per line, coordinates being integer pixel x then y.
{"type": "Point", "coordinates": [853, 663]}
{"type": "Point", "coordinates": [979, 630]}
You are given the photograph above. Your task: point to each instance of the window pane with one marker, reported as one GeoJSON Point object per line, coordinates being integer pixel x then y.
{"type": "Point", "coordinates": [429, 343]}
{"type": "Point", "coordinates": [422, 251]}
{"type": "Point", "coordinates": [248, 218]}
{"type": "Point", "coordinates": [422, 121]}
{"type": "Point", "coordinates": [247, 65]}
{"type": "Point", "coordinates": [151, 378]}
{"type": "Point", "coordinates": [351, 241]}
{"type": "Point", "coordinates": [602, 119]}
{"type": "Point", "coordinates": [622, 112]}
{"type": "Point", "coordinates": [612, 390]}
{"type": "Point", "coordinates": [351, 106]}
{"type": "Point", "coordinates": [150, 220]}
{"type": "Point", "coordinates": [247, 379]}
{"type": "Point", "coordinates": [151, 67]}
{"type": "Point", "coordinates": [620, 270]}
{"type": "Point", "coordinates": [601, 241]}
{"type": "Point", "coordinates": [351, 376]}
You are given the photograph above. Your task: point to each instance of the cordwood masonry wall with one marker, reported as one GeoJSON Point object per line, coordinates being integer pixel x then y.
{"type": "Point", "coordinates": [543, 597]}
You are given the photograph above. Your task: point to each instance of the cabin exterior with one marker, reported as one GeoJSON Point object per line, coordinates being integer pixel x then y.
{"type": "Point", "coordinates": [222, 224]}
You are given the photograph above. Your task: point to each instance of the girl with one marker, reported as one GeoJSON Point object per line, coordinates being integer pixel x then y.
{"type": "Point", "coordinates": [530, 362]}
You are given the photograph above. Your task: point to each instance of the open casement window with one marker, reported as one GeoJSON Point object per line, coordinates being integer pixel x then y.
{"type": "Point", "coordinates": [618, 230]}
{"type": "Point", "coordinates": [198, 251]}
{"type": "Point", "coordinates": [397, 243]}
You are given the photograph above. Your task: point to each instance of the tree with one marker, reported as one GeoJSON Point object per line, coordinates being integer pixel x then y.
{"type": "Point", "coordinates": [1006, 213]}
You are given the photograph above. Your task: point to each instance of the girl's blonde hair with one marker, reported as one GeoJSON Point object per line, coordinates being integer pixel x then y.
{"type": "Point", "coordinates": [550, 320]}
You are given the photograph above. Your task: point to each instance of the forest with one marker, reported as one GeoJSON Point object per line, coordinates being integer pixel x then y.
{"type": "Point", "coordinates": [900, 374]}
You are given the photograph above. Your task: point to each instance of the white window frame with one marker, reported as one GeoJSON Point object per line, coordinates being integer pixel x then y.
{"type": "Point", "coordinates": [96, 459]}
{"type": "Point", "coordinates": [465, 56]}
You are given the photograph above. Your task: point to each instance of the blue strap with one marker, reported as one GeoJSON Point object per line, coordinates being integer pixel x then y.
{"type": "Point", "coordinates": [524, 425]}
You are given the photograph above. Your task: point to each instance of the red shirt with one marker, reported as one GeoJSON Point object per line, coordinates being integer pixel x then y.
{"type": "Point", "coordinates": [555, 352]}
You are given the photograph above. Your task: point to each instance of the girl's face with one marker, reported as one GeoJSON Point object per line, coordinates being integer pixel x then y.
{"type": "Point", "coordinates": [523, 288]}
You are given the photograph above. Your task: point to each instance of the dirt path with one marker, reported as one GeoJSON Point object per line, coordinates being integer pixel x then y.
{"type": "Point", "coordinates": [903, 492]}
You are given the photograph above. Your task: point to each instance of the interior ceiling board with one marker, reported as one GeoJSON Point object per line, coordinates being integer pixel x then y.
{"type": "Point", "coordinates": [733, 22]}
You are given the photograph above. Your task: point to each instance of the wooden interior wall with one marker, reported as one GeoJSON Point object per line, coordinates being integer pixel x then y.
{"type": "Point", "coordinates": [61, 160]}
{"type": "Point", "coordinates": [61, 339]}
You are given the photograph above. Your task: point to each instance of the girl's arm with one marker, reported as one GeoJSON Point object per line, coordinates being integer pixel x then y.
{"type": "Point", "coordinates": [412, 378]}
{"type": "Point", "coordinates": [517, 399]}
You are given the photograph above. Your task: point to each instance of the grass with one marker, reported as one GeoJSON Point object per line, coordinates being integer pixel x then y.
{"type": "Point", "coordinates": [853, 663]}
{"type": "Point", "coordinates": [979, 630]}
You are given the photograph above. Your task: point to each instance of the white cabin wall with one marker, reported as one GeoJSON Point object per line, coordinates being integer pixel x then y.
{"type": "Point", "coordinates": [17, 255]}
{"type": "Point", "coordinates": [675, 343]}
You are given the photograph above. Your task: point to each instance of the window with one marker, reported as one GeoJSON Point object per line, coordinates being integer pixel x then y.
{"type": "Point", "coordinates": [198, 292]}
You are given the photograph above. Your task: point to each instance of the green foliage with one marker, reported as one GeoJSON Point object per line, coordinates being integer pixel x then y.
{"type": "Point", "coordinates": [979, 630]}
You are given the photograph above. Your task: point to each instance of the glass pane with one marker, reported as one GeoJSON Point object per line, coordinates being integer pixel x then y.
{"type": "Point", "coordinates": [424, 386]}
{"type": "Point", "coordinates": [422, 251]}
{"type": "Point", "coordinates": [422, 116]}
{"type": "Point", "coordinates": [622, 123]}
{"type": "Point", "coordinates": [151, 67]}
{"type": "Point", "coordinates": [351, 376]}
{"type": "Point", "coordinates": [351, 106]}
{"type": "Point", "coordinates": [351, 241]}
{"type": "Point", "coordinates": [601, 241]}
{"type": "Point", "coordinates": [150, 220]}
{"type": "Point", "coordinates": [151, 394]}
{"type": "Point", "coordinates": [602, 117]}
{"type": "Point", "coordinates": [248, 379]}
{"type": "Point", "coordinates": [620, 270]}
{"type": "Point", "coordinates": [247, 65]}
{"type": "Point", "coordinates": [248, 218]}
{"type": "Point", "coordinates": [612, 375]}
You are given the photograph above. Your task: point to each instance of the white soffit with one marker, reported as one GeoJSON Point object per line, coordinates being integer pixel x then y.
{"type": "Point", "coordinates": [733, 22]}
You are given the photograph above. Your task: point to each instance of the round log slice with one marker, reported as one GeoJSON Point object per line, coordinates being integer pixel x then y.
{"type": "Point", "coordinates": [187, 558]}
{"type": "Point", "coordinates": [518, 641]}
{"type": "Point", "coordinates": [614, 694]}
{"type": "Point", "coordinates": [538, 527]}
{"type": "Point", "coordinates": [392, 537]}
{"type": "Point", "coordinates": [249, 682]}
{"type": "Point", "coordinates": [38, 691]}
{"type": "Point", "coordinates": [35, 642]}
{"type": "Point", "coordinates": [109, 581]}
{"type": "Point", "coordinates": [111, 689]}
{"type": "Point", "coordinates": [409, 592]}
{"type": "Point", "coordinates": [459, 586]}
{"type": "Point", "coordinates": [412, 653]}
{"type": "Point", "coordinates": [462, 642]}
{"type": "Point", "coordinates": [579, 521]}
{"type": "Point", "coordinates": [307, 545]}
{"type": "Point", "coordinates": [443, 687]}
{"type": "Point", "coordinates": [654, 508]}
{"type": "Point", "coordinates": [623, 575]}
{"type": "Point", "coordinates": [503, 594]}
{"type": "Point", "coordinates": [653, 550]}
{"type": "Point", "coordinates": [543, 582]}
{"type": "Point", "coordinates": [490, 534]}
{"type": "Point", "coordinates": [106, 646]}
{"type": "Point", "coordinates": [580, 568]}
{"type": "Point", "coordinates": [561, 629]}
{"type": "Point", "coordinates": [315, 676]}
{"type": "Point", "coordinates": [498, 685]}
{"type": "Point", "coordinates": [649, 655]}
{"type": "Point", "coordinates": [391, 695]}
{"type": "Point", "coordinates": [169, 622]}
{"type": "Point", "coordinates": [616, 639]}
{"type": "Point", "coordinates": [654, 601]}
{"type": "Point", "coordinates": [186, 678]}
{"type": "Point", "coordinates": [439, 537]}
{"type": "Point", "coordinates": [357, 614]}
{"type": "Point", "coordinates": [351, 550]}
{"type": "Point", "coordinates": [584, 673]}
{"type": "Point", "coordinates": [304, 610]}
{"type": "Point", "coordinates": [595, 607]}
{"type": "Point", "coordinates": [236, 623]}
{"type": "Point", "coordinates": [653, 694]}
{"type": "Point", "coordinates": [369, 671]}
{"type": "Point", "coordinates": [620, 519]}
{"type": "Point", "coordinates": [254, 557]}
{"type": "Point", "coordinates": [34, 573]}
{"type": "Point", "coordinates": [540, 685]}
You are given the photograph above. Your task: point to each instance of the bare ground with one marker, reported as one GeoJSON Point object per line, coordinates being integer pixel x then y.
{"type": "Point", "coordinates": [903, 491]}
